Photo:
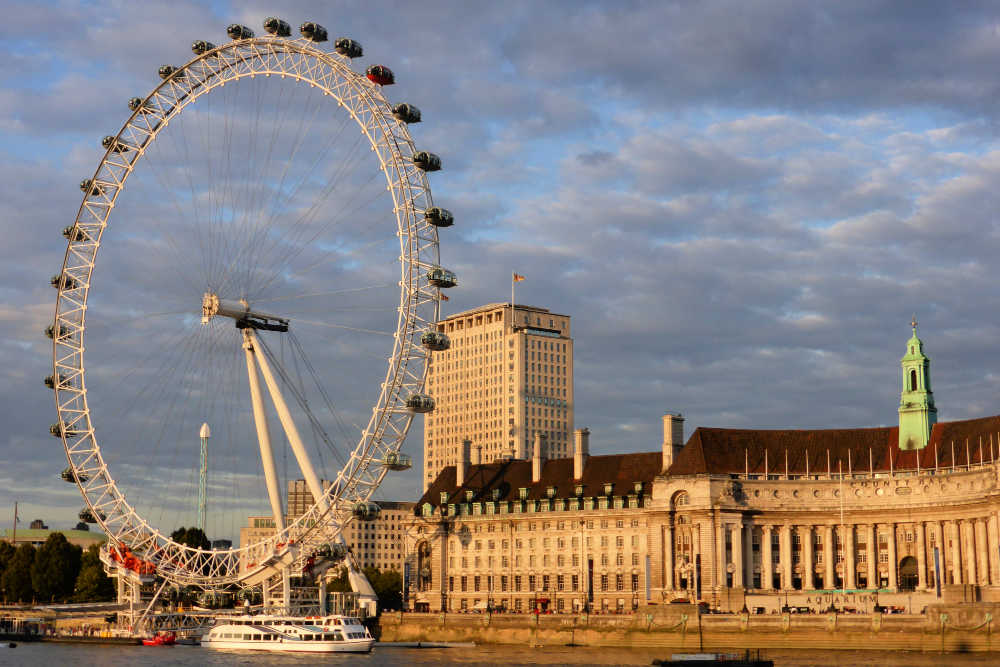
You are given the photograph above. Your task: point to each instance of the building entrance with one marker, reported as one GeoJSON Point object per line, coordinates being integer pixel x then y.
{"type": "Point", "coordinates": [908, 574]}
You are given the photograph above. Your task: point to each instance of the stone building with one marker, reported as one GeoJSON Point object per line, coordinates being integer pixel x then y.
{"type": "Point", "coordinates": [377, 543]}
{"type": "Point", "coordinates": [738, 518]}
{"type": "Point", "coordinates": [507, 375]}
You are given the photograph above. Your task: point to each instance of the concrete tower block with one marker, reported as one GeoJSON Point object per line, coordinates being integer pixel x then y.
{"type": "Point", "coordinates": [673, 438]}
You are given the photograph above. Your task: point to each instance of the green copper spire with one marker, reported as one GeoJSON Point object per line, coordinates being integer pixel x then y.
{"type": "Point", "coordinates": [917, 414]}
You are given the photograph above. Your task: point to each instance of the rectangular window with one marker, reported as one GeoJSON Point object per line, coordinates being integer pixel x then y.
{"type": "Point", "coordinates": [619, 582]}
{"type": "Point", "coordinates": [604, 582]}
{"type": "Point", "coordinates": [635, 582]}
{"type": "Point", "coordinates": [531, 582]}
{"type": "Point", "coordinates": [475, 583]}
{"type": "Point", "coordinates": [465, 584]}
{"type": "Point", "coordinates": [545, 582]}
{"type": "Point", "coordinates": [517, 583]}
{"type": "Point", "coordinates": [575, 582]}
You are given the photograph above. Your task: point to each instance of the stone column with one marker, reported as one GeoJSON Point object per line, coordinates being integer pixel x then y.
{"type": "Point", "coordinates": [668, 556]}
{"type": "Point", "coordinates": [992, 541]}
{"type": "Point", "coordinates": [968, 537]}
{"type": "Point", "coordinates": [766, 562]}
{"type": "Point", "coordinates": [748, 556]}
{"type": "Point", "coordinates": [719, 566]}
{"type": "Point", "coordinates": [982, 551]}
{"type": "Point", "coordinates": [849, 556]}
{"type": "Point", "coordinates": [806, 536]}
{"type": "Point", "coordinates": [871, 555]}
{"type": "Point", "coordinates": [737, 538]}
{"type": "Point", "coordinates": [893, 564]}
{"type": "Point", "coordinates": [921, 556]}
{"type": "Point", "coordinates": [956, 551]}
{"type": "Point", "coordinates": [786, 556]}
{"type": "Point", "coordinates": [828, 558]}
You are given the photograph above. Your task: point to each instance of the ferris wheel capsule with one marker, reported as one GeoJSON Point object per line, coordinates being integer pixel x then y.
{"type": "Point", "coordinates": [313, 31]}
{"type": "Point", "coordinates": [368, 511]}
{"type": "Point", "coordinates": [74, 233]}
{"type": "Point", "coordinates": [439, 217]}
{"type": "Point", "coordinates": [114, 145]}
{"type": "Point", "coordinates": [439, 277]}
{"type": "Point", "coordinates": [398, 461]}
{"type": "Point", "coordinates": [167, 71]}
{"type": "Point", "coordinates": [71, 476]}
{"type": "Point", "coordinates": [276, 26]}
{"type": "Point", "coordinates": [420, 403]}
{"type": "Point", "coordinates": [201, 47]}
{"type": "Point", "coordinates": [237, 31]}
{"type": "Point", "coordinates": [427, 161]}
{"type": "Point", "coordinates": [63, 281]}
{"type": "Point", "coordinates": [136, 104]}
{"type": "Point", "coordinates": [348, 47]}
{"type": "Point", "coordinates": [86, 184]}
{"type": "Point", "coordinates": [88, 517]}
{"type": "Point", "coordinates": [435, 341]}
{"type": "Point", "coordinates": [57, 430]}
{"type": "Point", "coordinates": [381, 75]}
{"type": "Point", "coordinates": [50, 331]}
{"type": "Point", "coordinates": [406, 113]}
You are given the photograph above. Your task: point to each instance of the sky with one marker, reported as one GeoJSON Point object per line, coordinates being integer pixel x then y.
{"type": "Point", "coordinates": [741, 205]}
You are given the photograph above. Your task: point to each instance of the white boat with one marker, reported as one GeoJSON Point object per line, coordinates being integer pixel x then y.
{"type": "Point", "coordinates": [312, 634]}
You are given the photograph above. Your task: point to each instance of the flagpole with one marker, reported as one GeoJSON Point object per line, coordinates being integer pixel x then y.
{"type": "Point", "coordinates": [13, 538]}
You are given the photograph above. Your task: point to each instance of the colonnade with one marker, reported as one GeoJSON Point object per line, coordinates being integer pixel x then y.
{"type": "Point", "coordinates": [788, 555]}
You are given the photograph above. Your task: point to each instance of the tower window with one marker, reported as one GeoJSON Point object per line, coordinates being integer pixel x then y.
{"type": "Point", "coordinates": [913, 380]}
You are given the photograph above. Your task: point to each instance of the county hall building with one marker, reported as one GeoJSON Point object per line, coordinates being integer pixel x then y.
{"type": "Point", "coordinates": [895, 517]}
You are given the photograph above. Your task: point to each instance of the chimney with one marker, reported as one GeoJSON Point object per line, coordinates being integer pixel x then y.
{"type": "Point", "coordinates": [477, 455]}
{"type": "Point", "coordinates": [536, 457]}
{"type": "Point", "coordinates": [673, 438]}
{"type": "Point", "coordinates": [581, 451]}
{"type": "Point", "coordinates": [463, 463]}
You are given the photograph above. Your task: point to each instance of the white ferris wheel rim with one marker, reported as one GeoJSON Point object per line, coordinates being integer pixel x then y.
{"type": "Point", "coordinates": [418, 309]}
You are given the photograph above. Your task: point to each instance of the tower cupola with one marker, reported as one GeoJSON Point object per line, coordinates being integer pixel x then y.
{"type": "Point", "coordinates": [917, 414]}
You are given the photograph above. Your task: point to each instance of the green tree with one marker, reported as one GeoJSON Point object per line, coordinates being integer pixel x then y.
{"type": "Point", "coordinates": [55, 569]}
{"type": "Point", "coordinates": [192, 537]}
{"type": "Point", "coordinates": [388, 587]}
{"type": "Point", "coordinates": [6, 553]}
{"type": "Point", "coordinates": [92, 585]}
{"type": "Point", "coordinates": [16, 581]}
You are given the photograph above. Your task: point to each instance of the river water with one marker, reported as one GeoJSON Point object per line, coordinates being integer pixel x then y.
{"type": "Point", "coordinates": [66, 655]}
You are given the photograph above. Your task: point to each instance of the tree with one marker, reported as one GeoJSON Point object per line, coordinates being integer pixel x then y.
{"type": "Point", "coordinates": [16, 581]}
{"type": "Point", "coordinates": [92, 585]}
{"type": "Point", "coordinates": [192, 537]}
{"type": "Point", "coordinates": [388, 587]}
{"type": "Point", "coordinates": [55, 569]}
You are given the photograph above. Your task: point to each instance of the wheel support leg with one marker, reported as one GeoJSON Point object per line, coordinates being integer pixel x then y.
{"type": "Point", "coordinates": [263, 433]}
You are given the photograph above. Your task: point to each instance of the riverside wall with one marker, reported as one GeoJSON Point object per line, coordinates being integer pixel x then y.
{"type": "Point", "coordinates": [948, 628]}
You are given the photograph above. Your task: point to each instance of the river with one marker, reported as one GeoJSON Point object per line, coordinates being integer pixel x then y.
{"type": "Point", "coordinates": [65, 655]}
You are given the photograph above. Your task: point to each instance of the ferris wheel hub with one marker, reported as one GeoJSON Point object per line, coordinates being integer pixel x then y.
{"type": "Point", "coordinates": [245, 316]}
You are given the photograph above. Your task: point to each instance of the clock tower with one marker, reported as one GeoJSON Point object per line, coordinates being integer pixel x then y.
{"type": "Point", "coordinates": [917, 414]}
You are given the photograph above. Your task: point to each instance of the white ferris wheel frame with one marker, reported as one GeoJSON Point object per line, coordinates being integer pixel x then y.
{"type": "Point", "coordinates": [418, 310]}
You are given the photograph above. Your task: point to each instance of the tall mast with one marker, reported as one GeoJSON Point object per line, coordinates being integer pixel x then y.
{"type": "Point", "coordinates": [205, 434]}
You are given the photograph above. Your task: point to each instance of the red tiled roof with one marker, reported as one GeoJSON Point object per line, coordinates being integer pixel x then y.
{"type": "Point", "coordinates": [726, 451]}
{"type": "Point", "coordinates": [622, 470]}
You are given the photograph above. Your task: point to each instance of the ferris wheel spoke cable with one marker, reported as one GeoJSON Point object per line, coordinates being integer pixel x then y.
{"type": "Point", "coordinates": [300, 226]}
{"type": "Point", "coordinates": [326, 399]}
{"type": "Point", "coordinates": [317, 432]}
{"type": "Point", "coordinates": [329, 293]}
{"type": "Point", "coordinates": [300, 247]}
{"type": "Point", "coordinates": [299, 397]}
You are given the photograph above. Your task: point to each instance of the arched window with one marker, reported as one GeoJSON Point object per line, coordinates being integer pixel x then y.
{"type": "Point", "coordinates": [913, 380]}
{"type": "Point", "coordinates": [681, 499]}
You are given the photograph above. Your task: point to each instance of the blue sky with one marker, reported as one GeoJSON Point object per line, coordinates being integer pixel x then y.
{"type": "Point", "coordinates": [740, 204]}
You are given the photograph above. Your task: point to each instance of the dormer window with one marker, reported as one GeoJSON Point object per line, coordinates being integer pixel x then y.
{"type": "Point", "coordinates": [578, 490]}
{"type": "Point", "coordinates": [469, 495]}
{"type": "Point", "coordinates": [608, 488]}
{"type": "Point", "coordinates": [444, 497]}
{"type": "Point", "coordinates": [638, 487]}
{"type": "Point", "coordinates": [550, 492]}
{"type": "Point", "coordinates": [495, 494]}
{"type": "Point", "coordinates": [522, 493]}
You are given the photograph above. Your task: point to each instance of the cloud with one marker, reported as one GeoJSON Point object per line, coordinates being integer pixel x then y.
{"type": "Point", "coordinates": [740, 204]}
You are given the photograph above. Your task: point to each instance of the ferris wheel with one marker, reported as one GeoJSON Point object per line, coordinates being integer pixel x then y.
{"type": "Point", "coordinates": [277, 245]}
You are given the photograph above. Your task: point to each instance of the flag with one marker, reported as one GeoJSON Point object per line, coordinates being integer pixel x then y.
{"type": "Point", "coordinates": [518, 278]}
{"type": "Point", "coordinates": [444, 297]}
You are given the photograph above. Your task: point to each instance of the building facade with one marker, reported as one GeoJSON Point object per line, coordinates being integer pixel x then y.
{"type": "Point", "coordinates": [377, 543]}
{"type": "Point", "coordinates": [738, 518]}
{"type": "Point", "coordinates": [507, 375]}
